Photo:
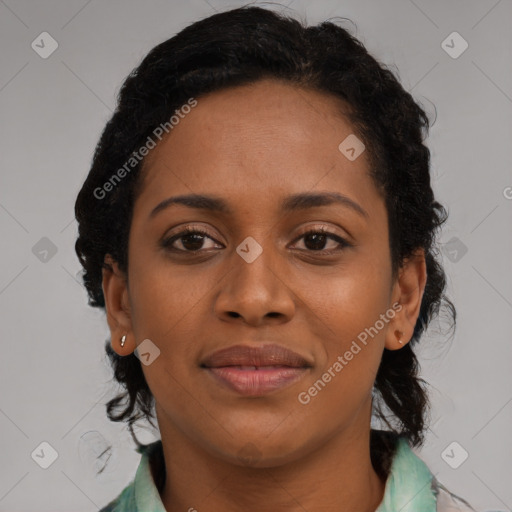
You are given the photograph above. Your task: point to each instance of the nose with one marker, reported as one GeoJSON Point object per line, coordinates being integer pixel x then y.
{"type": "Point", "coordinates": [255, 291]}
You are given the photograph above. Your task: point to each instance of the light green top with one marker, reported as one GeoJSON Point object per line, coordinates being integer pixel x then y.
{"type": "Point", "coordinates": [410, 487]}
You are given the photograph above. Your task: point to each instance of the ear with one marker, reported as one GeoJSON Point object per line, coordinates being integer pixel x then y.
{"type": "Point", "coordinates": [117, 305]}
{"type": "Point", "coordinates": [408, 292]}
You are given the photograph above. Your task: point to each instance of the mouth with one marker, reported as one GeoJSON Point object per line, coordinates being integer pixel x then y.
{"type": "Point", "coordinates": [256, 371]}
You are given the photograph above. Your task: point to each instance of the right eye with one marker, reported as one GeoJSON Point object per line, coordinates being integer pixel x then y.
{"type": "Point", "coordinates": [191, 239]}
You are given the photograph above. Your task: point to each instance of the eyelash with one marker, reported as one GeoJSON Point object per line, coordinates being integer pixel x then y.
{"type": "Point", "coordinates": [167, 243]}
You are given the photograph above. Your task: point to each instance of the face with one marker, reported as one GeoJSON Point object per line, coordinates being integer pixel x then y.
{"type": "Point", "coordinates": [250, 275]}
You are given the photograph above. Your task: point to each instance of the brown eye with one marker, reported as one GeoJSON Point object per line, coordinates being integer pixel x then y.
{"type": "Point", "coordinates": [316, 239]}
{"type": "Point", "coordinates": [192, 240]}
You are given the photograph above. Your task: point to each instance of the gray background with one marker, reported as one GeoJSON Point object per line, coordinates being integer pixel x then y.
{"type": "Point", "coordinates": [53, 376]}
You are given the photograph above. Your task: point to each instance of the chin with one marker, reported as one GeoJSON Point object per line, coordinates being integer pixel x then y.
{"type": "Point", "coordinates": [263, 451]}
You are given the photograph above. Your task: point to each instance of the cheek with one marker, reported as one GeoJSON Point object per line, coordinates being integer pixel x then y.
{"type": "Point", "coordinates": [163, 312]}
{"type": "Point", "coordinates": [349, 314]}
{"type": "Point", "coordinates": [348, 299]}
{"type": "Point", "coordinates": [164, 297]}
{"type": "Point", "coordinates": [345, 379]}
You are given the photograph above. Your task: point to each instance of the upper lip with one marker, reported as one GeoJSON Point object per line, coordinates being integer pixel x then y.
{"type": "Point", "coordinates": [264, 355]}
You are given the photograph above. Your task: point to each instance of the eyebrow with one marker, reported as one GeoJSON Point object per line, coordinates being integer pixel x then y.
{"type": "Point", "coordinates": [291, 203]}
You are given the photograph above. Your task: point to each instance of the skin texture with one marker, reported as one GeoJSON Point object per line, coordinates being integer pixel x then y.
{"type": "Point", "coordinates": [253, 146]}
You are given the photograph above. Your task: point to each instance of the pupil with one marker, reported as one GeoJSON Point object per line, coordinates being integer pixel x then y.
{"type": "Point", "coordinates": [198, 241]}
{"type": "Point", "coordinates": [317, 237]}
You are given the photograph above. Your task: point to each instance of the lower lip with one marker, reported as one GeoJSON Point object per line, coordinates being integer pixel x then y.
{"type": "Point", "coordinates": [257, 382]}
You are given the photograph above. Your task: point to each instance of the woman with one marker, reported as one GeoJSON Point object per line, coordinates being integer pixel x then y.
{"type": "Point", "coordinates": [259, 225]}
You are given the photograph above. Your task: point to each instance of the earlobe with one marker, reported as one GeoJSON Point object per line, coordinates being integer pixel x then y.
{"type": "Point", "coordinates": [395, 339]}
{"type": "Point", "coordinates": [408, 291]}
{"type": "Point", "coordinates": [115, 292]}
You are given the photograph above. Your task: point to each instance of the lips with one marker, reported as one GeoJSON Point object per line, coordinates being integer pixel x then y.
{"type": "Point", "coordinates": [266, 355]}
{"type": "Point", "coordinates": [256, 371]}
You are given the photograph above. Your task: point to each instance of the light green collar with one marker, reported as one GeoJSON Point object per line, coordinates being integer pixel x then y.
{"type": "Point", "coordinates": [408, 486]}
{"type": "Point", "coordinates": [147, 497]}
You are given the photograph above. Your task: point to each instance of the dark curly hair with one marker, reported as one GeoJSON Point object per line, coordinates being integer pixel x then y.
{"type": "Point", "coordinates": [242, 46]}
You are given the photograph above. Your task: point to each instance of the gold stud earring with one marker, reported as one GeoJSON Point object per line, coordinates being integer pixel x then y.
{"type": "Point", "coordinates": [399, 335]}
{"type": "Point", "coordinates": [123, 339]}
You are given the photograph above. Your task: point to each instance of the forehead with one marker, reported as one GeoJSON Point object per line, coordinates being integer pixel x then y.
{"type": "Point", "coordinates": [259, 141]}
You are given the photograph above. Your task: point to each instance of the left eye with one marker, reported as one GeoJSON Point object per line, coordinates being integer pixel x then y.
{"type": "Point", "coordinates": [319, 237]}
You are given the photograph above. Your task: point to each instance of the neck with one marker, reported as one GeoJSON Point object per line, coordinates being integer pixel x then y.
{"type": "Point", "coordinates": [338, 476]}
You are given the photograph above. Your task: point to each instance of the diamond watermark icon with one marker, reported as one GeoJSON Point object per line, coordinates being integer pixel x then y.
{"type": "Point", "coordinates": [454, 249]}
{"type": "Point", "coordinates": [454, 455]}
{"type": "Point", "coordinates": [44, 45]}
{"type": "Point", "coordinates": [351, 147]}
{"type": "Point", "coordinates": [249, 454]}
{"type": "Point", "coordinates": [44, 250]}
{"type": "Point", "coordinates": [249, 249]}
{"type": "Point", "coordinates": [454, 45]}
{"type": "Point", "coordinates": [147, 352]}
{"type": "Point", "coordinates": [44, 455]}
